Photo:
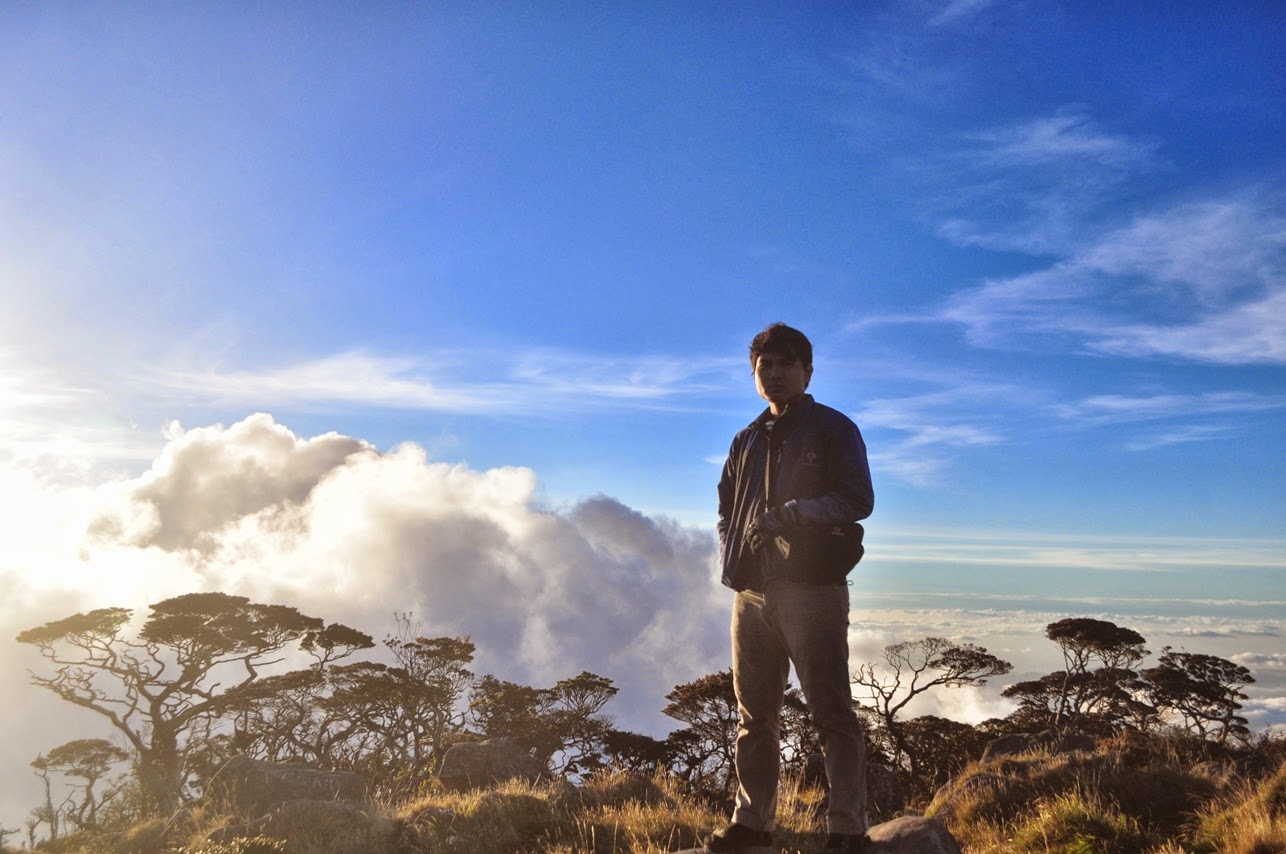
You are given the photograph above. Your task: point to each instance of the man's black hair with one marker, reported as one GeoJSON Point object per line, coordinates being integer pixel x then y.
{"type": "Point", "coordinates": [782, 340]}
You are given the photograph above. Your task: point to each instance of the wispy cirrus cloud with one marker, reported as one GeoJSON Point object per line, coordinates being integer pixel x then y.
{"type": "Point", "coordinates": [926, 428]}
{"type": "Point", "coordinates": [1170, 419]}
{"type": "Point", "coordinates": [1119, 408]}
{"type": "Point", "coordinates": [60, 425]}
{"type": "Point", "coordinates": [1069, 134]}
{"type": "Point", "coordinates": [1031, 186]}
{"type": "Point", "coordinates": [460, 382]}
{"type": "Point", "coordinates": [1180, 436]}
{"type": "Point", "coordinates": [1199, 280]}
{"type": "Point", "coordinates": [55, 420]}
{"type": "Point", "coordinates": [1203, 282]}
{"type": "Point", "coordinates": [958, 10]}
{"type": "Point", "coordinates": [1080, 551]}
{"type": "Point", "coordinates": [1249, 334]}
{"type": "Point", "coordinates": [1212, 251]}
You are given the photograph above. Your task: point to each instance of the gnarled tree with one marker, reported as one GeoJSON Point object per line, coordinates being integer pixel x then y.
{"type": "Point", "coordinates": [914, 667]}
{"type": "Point", "coordinates": [1106, 692]}
{"type": "Point", "coordinates": [564, 726]}
{"type": "Point", "coordinates": [158, 689]}
{"type": "Point", "coordinates": [87, 760]}
{"type": "Point", "coordinates": [1204, 690]}
{"type": "Point", "coordinates": [703, 749]}
{"type": "Point", "coordinates": [1098, 691]}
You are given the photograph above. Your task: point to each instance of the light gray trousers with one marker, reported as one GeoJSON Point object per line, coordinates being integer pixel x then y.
{"type": "Point", "coordinates": [806, 625]}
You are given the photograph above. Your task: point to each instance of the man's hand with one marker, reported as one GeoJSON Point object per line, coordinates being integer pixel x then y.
{"type": "Point", "coordinates": [770, 525]}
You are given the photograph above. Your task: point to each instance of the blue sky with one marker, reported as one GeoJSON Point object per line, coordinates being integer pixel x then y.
{"type": "Point", "coordinates": [1040, 248]}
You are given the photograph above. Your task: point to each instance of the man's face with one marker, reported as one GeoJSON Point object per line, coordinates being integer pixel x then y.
{"type": "Point", "coordinates": [780, 379]}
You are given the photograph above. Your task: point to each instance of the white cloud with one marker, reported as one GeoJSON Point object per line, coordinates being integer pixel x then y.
{"type": "Point", "coordinates": [210, 478]}
{"type": "Point", "coordinates": [342, 378]}
{"type": "Point", "coordinates": [1199, 282]}
{"type": "Point", "coordinates": [1053, 140]}
{"type": "Point", "coordinates": [923, 428]}
{"type": "Point", "coordinates": [1184, 409]}
{"type": "Point", "coordinates": [1266, 714]}
{"type": "Point", "coordinates": [532, 382]}
{"type": "Point", "coordinates": [1261, 661]}
{"type": "Point", "coordinates": [1249, 334]}
{"type": "Point", "coordinates": [1031, 186]}
{"type": "Point", "coordinates": [59, 426]}
{"type": "Point", "coordinates": [1178, 437]}
{"type": "Point", "coordinates": [331, 523]}
{"type": "Point", "coordinates": [1214, 249]}
{"type": "Point", "coordinates": [956, 10]}
{"type": "Point", "coordinates": [1118, 408]}
{"type": "Point", "coordinates": [1079, 551]}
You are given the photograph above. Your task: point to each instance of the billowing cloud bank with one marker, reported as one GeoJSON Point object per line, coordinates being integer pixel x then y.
{"type": "Point", "coordinates": [341, 530]}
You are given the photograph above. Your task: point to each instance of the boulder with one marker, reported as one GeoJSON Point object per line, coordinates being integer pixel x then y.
{"type": "Point", "coordinates": [254, 787]}
{"type": "Point", "coordinates": [1049, 741]}
{"type": "Point", "coordinates": [474, 765]}
{"type": "Point", "coordinates": [913, 834]}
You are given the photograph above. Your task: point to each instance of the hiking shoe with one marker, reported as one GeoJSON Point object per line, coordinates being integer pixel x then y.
{"type": "Point", "coordinates": [854, 843]}
{"type": "Point", "coordinates": [737, 837]}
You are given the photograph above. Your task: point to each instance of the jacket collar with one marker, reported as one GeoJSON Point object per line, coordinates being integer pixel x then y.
{"type": "Point", "coordinates": [791, 416]}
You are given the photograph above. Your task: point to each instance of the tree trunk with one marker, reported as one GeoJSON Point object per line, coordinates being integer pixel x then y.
{"type": "Point", "coordinates": [159, 773]}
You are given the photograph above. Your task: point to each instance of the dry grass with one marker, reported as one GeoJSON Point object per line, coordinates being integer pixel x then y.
{"type": "Point", "coordinates": [1249, 820]}
{"type": "Point", "coordinates": [1079, 823]}
{"type": "Point", "coordinates": [612, 814]}
{"type": "Point", "coordinates": [1083, 804]}
{"type": "Point", "coordinates": [1070, 804]}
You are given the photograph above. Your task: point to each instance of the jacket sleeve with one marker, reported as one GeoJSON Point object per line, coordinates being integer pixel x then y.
{"type": "Point", "coordinates": [852, 497]}
{"type": "Point", "coordinates": [727, 490]}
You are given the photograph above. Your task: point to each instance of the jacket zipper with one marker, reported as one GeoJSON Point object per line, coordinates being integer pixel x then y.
{"type": "Point", "coordinates": [768, 468]}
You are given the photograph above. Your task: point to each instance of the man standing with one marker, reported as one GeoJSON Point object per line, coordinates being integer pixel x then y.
{"type": "Point", "coordinates": [793, 489]}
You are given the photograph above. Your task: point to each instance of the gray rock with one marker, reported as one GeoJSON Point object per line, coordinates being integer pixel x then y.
{"type": "Point", "coordinates": [1048, 741]}
{"type": "Point", "coordinates": [913, 834]}
{"type": "Point", "coordinates": [908, 835]}
{"type": "Point", "coordinates": [475, 765]}
{"type": "Point", "coordinates": [254, 787]}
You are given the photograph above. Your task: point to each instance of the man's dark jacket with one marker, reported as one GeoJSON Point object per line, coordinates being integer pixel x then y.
{"type": "Point", "coordinates": [818, 461]}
